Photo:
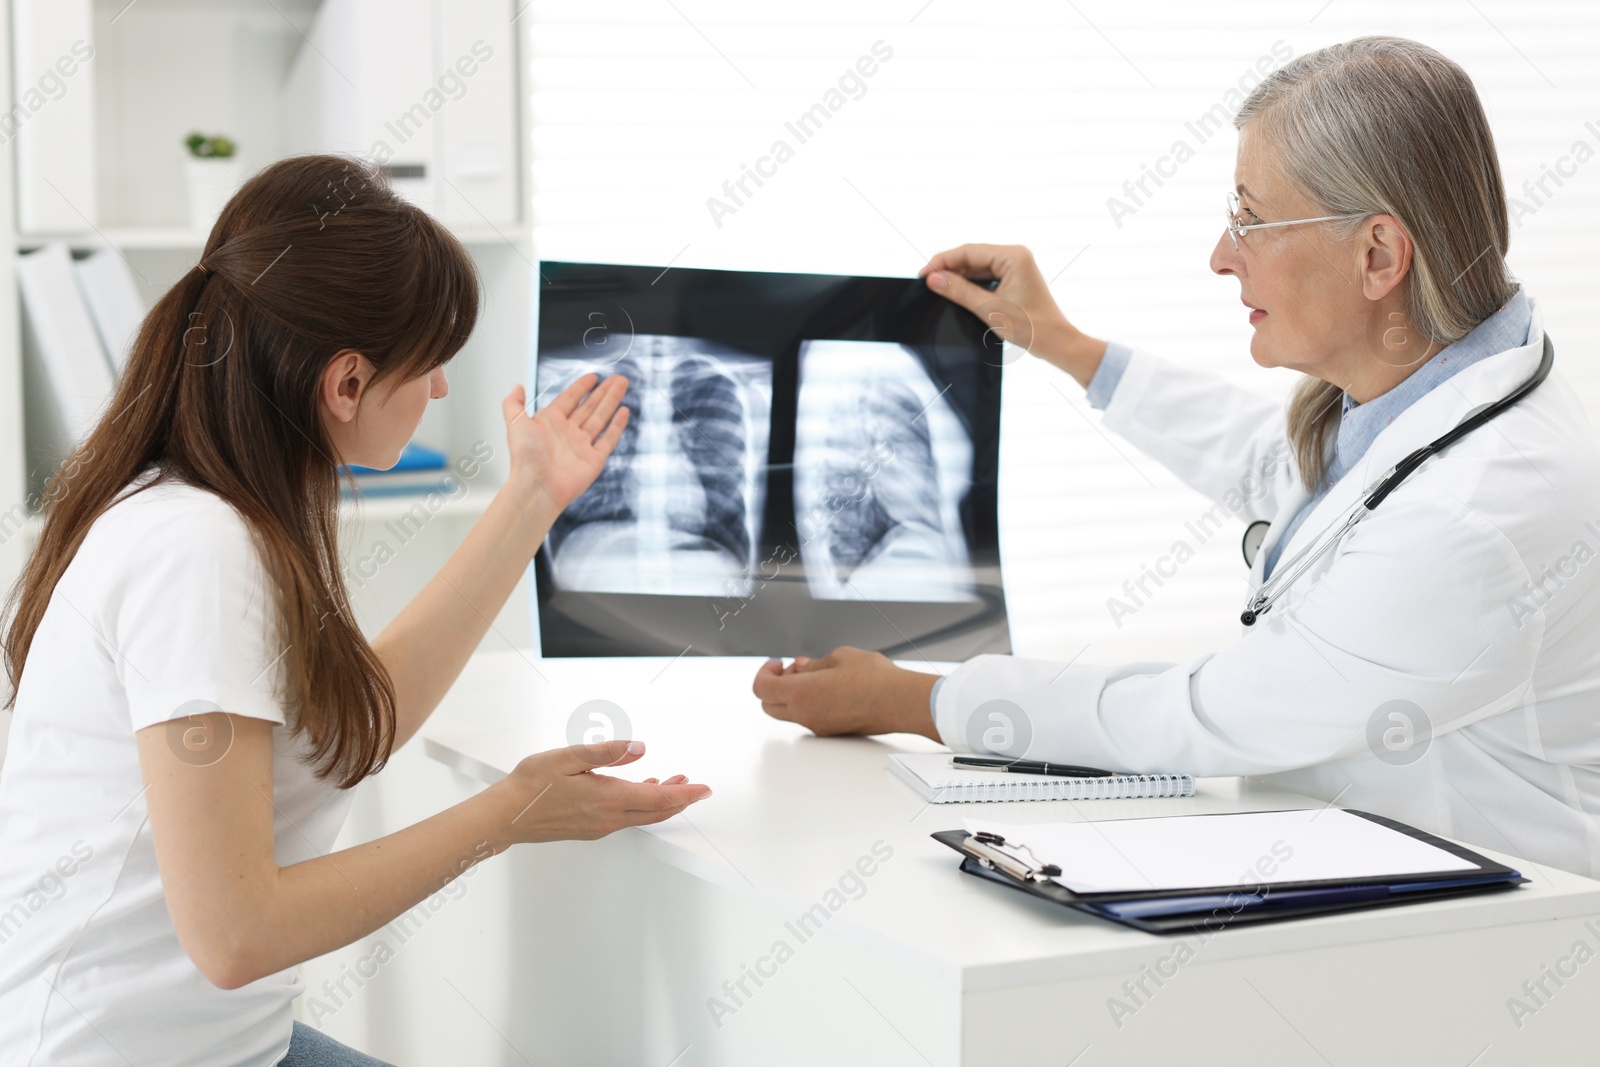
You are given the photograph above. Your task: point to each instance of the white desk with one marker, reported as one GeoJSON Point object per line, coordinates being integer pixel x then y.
{"type": "Point", "coordinates": [627, 940]}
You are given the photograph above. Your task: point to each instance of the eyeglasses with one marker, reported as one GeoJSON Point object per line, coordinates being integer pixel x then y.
{"type": "Point", "coordinates": [1236, 225]}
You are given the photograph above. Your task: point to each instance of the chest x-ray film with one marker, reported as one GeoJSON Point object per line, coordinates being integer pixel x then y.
{"type": "Point", "coordinates": [810, 461]}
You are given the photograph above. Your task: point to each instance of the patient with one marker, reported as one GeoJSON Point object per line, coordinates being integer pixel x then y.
{"type": "Point", "coordinates": [194, 698]}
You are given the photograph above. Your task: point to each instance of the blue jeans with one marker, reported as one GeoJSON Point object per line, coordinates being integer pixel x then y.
{"type": "Point", "coordinates": [310, 1047]}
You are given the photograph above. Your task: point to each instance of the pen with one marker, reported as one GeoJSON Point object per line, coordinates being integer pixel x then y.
{"type": "Point", "coordinates": [1028, 766]}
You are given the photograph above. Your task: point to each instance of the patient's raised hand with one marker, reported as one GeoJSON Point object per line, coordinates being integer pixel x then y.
{"type": "Point", "coordinates": [560, 449]}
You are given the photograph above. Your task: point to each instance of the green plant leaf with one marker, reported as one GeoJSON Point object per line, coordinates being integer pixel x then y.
{"type": "Point", "coordinates": [219, 146]}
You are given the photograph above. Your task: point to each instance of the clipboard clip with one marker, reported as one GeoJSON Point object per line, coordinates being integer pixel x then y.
{"type": "Point", "coordinates": [989, 850]}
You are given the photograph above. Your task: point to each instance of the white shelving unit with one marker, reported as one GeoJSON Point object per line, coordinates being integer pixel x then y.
{"type": "Point", "coordinates": [161, 69]}
{"type": "Point", "coordinates": [16, 526]}
{"type": "Point", "coordinates": [134, 239]}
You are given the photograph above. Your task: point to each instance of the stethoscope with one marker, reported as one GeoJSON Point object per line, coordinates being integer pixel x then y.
{"type": "Point", "coordinates": [1262, 600]}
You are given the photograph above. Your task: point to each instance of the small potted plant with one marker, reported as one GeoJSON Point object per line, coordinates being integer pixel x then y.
{"type": "Point", "coordinates": [212, 173]}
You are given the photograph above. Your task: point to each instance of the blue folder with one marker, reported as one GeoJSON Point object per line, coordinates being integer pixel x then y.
{"type": "Point", "coordinates": [413, 457]}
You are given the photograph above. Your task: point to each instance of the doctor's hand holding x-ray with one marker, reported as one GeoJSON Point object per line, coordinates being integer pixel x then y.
{"type": "Point", "coordinates": [1439, 661]}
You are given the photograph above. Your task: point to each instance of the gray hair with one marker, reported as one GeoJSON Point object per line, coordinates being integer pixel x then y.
{"type": "Point", "coordinates": [1385, 125]}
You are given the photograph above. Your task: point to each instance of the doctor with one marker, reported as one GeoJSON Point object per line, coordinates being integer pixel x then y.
{"type": "Point", "coordinates": [1439, 662]}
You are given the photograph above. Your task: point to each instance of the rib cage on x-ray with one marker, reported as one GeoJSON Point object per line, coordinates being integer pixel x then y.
{"type": "Point", "coordinates": [881, 466]}
{"type": "Point", "coordinates": [675, 509]}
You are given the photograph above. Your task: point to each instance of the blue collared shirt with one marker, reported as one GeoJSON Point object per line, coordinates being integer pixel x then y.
{"type": "Point", "coordinates": [1359, 424]}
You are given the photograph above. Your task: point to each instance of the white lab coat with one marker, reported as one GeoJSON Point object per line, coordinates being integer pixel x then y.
{"type": "Point", "coordinates": [1470, 593]}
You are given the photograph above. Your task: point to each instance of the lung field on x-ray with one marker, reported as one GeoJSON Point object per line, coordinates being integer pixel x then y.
{"type": "Point", "coordinates": [708, 417]}
{"type": "Point", "coordinates": [882, 464]}
{"type": "Point", "coordinates": [676, 508]}
{"type": "Point", "coordinates": [862, 503]}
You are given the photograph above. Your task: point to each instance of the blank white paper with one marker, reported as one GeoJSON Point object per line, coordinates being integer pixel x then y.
{"type": "Point", "coordinates": [1203, 851]}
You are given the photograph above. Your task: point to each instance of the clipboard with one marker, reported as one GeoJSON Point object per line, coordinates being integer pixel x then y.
{"type": "Point", "coordinates": [1211, 909]}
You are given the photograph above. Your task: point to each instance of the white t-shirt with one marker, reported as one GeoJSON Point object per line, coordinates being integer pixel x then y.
{"type": "Point", "coordinates": [164, 605]}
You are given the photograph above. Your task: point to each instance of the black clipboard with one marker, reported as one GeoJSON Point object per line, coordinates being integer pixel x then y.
{"type": "Point", "coordinates": [1340, 895]}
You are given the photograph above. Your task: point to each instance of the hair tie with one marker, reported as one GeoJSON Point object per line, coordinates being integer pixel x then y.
{"type": "Point", "coordinates": [203, 269]}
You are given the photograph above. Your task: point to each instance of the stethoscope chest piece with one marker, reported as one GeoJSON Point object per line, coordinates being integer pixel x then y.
{"type": "Point", "coordinates": [1255, 535]}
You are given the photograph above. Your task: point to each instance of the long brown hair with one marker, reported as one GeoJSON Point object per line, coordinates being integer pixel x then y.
{"type": "Point", "coordinates": [313, 255]}
{"type": "Point", "coordinates": [1386, 125]}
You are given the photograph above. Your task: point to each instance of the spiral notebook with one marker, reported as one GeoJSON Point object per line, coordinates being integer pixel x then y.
{"type": "Point", "coordinates": [932, 776]}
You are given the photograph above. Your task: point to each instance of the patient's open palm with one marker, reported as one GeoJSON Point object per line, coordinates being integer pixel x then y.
{"type": "Point", "coordinates": [564, 444]}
